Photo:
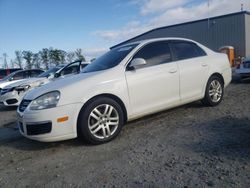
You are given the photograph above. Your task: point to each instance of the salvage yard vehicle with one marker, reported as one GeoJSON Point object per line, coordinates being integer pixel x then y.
{"type": "Point", "coordinates": [13, 94]}
{"type": "Point", "coordinates": [126, 83]}
{"type": "Point", "coordinates": [244, 68]}
{"type": "Point", "coordinates": [19, 75]}
{"type": "Point", "coordinates": [6, 72]}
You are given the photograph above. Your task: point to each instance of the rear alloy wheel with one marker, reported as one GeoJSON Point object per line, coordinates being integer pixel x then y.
{"type": "Point", "coordinates": [214, 91]}
{"type": "Point", "coordinates": [100, 121]}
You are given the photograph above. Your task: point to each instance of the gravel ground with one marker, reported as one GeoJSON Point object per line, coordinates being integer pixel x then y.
{"type": "Point", "coordinates": [189, 146]}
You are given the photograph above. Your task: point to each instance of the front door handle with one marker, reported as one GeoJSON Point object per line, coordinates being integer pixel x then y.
{"type": "Point", "coordinates": [204, 64]}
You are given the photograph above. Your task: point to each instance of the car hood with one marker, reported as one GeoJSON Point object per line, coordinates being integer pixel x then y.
{"type": "Point", "coordinates": [6, 83]}
{"type": "Point", "coordinates": [58, 85]}
{"type": "Point", "coordinates": [32, 82]}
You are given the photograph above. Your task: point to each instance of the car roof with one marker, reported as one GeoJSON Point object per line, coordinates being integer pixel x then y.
{"type": "Point", "coordinates": [156, 39]}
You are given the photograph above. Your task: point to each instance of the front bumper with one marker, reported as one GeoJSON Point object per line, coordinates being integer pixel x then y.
{"type": "Point", "coordinates": [43, 125]}
{"type": "Point", "coordinates": [12, 98]}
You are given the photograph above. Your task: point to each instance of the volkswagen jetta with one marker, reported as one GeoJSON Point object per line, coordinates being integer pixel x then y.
{"type": "Point", "coordinates": [126, 83]}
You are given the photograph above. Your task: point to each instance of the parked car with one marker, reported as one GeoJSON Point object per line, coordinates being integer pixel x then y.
{"type": "Point", "coordinates": [244, 68]}
{"type": "Point", "coordinates": [126, 83]}
{"type": "Point", "coordinates": [12, 94]}
{"type": "Point", "coordinates": [6, 72]}
{"type": "Point", "coordinates": [19, 75]}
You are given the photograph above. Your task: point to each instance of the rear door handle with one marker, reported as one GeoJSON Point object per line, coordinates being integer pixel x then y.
{"type": "Point", "coordinates": [172, 71]}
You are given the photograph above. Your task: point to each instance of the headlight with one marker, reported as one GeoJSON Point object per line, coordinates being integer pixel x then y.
{"type": "Point", "coordinates": [48, 100]}
{"type": "Point", "coordinates": [6, 90]}
{"type": "Point", "coordinates": [22, 88]}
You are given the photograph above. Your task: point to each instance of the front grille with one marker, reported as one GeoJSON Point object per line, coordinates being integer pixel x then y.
{"type": "Point", "coordinates": [36, 129]}
{"type": "Point", "coordinates": [24, 104]}
{"type": "Point", "coordinates": [11, 101]}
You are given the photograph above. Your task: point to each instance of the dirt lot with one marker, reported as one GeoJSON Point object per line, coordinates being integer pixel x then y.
{"type": "Point", "coordinates": [190, 146]}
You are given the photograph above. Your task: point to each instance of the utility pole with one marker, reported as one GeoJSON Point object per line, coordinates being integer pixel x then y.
{"type": "Point", "coordinates": [242, 7]}
{"type": "Point", "coordinates": [208, 20]}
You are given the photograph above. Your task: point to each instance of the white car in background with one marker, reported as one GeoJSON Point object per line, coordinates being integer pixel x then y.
{"type": "Point", "coordinates": [13, 94]}
{"type": "Point", "coordinates": [126, 83]}
{"type": "Point", "coordinates": [19, 75]}
{"type": "Point", "coordinates": [244, 68]}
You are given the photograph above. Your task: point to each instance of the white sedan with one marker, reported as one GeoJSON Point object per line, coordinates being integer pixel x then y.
{"type": "Point", "coordinates": [126, 83]}
{"type": "Point", "coordinates": [12, 94]}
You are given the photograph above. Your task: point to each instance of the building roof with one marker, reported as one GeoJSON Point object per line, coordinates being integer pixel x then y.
{"type": "Point", "coordinates": [185, 23]}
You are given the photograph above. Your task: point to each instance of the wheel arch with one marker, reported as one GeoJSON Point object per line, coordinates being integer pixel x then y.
{"type": "Point", "coordinates": [218, 75]}
{"type": "Point", "coordinates": [213, 74]}
{"type": "Point", "coordinates": [112, 96]}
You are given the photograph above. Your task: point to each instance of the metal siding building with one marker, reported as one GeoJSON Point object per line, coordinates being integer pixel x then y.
{"type": "Point", "coordinates": [227, 30]}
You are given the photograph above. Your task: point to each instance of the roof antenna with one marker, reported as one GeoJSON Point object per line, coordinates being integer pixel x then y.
{"type": "Point", "coordinates": [242, 7]}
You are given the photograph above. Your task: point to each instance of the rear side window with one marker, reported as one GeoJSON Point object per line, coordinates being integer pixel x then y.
{"type": "Point", "coordinates": [186, 50]}
{"type": "Point", "coordinates": [35, 73]}
{"type": "Point", "coordinates": [18, 75]}
{"type": "Point", "coordinates": [155, 53]}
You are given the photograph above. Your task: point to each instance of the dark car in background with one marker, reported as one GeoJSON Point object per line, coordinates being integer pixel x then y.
{"type": "Point", "coordinates": [6, 72]}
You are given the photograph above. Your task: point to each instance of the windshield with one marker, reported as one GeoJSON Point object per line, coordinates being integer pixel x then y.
{"type": "Point", "coordinates": [9, 76]}
{"type": "Point", "coordinates": [109, 59]}
{"type": "Point", "coordinates": [49, 72]}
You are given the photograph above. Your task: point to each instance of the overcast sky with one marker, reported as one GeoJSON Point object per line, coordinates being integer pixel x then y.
{"type": "Point", "coordinates": [95, 25]}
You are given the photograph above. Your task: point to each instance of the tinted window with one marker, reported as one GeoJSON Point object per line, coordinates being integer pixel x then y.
{"type": "Point", "coordinates": [18, 75]}
{"type": "Point", "coordinates": [35, 73]}
{"type": "Point", "coordinates": [246, 64]}
{"type": "Point", "coordinates": [186, 50]}
{"type": "Point", "coordinates": [49, 72]}
{"type": "Point", "coordinates": [109, 59]}
{"type": "Point", "coordinates": [154, 54]}
{"type": "Point", "coordinates": [71, 69]}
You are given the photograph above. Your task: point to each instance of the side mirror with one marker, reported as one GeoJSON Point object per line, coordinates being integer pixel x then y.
{"type": "Point", "coordinates": [11, 78]}
{"type": "Point", "coordinates": [57, 75]}
{"type": "Point", "coordinates": [137, 62]}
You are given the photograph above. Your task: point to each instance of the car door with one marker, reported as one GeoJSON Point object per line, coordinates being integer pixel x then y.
{"type": "Point", "coordinates": [193, 66]}
{"type": "Point", "coordinates": [153, 86]}
{"type": "Point", "coordinates": [70, 69]}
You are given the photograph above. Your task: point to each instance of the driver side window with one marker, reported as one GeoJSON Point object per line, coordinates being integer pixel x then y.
{"type": "Point", "coordinates": [71, 69]}
{"type": "Point", "coordinates": [154, 54]}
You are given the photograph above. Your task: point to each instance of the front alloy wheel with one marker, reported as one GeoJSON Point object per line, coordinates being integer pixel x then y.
{"type": "Point", "coordinates": [100, 120]}
{"type": "Point", "coordinates": [103, 121]}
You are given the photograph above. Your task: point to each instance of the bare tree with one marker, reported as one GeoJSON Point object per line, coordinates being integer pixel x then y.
{"type": "Point", "coordinates": [70, 57]}
{"type": "Point", "coordinates": [5, 62]}
{"type": "Point", "coordinates": [79, 54]}
{"type": "Point", "coordinates": [45, 57]}
{"type": "Point", "coordinates": [27, 55]}
{"type": "Point", "coordinates": [36, 61]}
{"type": "Point", "coordinates": [18, 59]}
{"type": "Point", "coordinates": [12, 63]}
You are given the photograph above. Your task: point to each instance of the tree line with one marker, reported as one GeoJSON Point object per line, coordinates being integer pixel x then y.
{"type": "Point", "coordinates": [45, 58]}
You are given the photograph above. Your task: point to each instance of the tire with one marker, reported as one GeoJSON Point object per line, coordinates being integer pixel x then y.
{"type": "Point", "coordinates": [100, 121]}
{"type": "Point", "coordinates": [214, 91]}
